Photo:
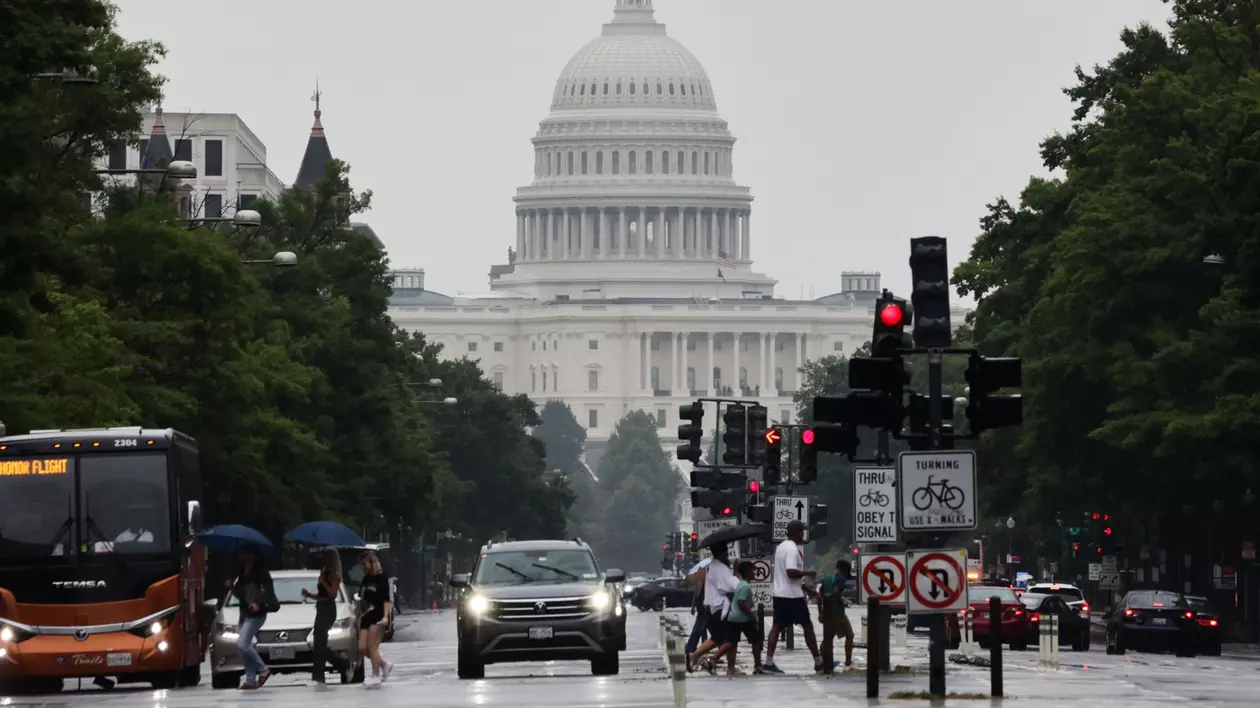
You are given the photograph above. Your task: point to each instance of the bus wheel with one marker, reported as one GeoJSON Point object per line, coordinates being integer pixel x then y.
{"type": "Point", "coordinates": [167, 680]}
{"type": "Point", "coordinates": [190, 676]}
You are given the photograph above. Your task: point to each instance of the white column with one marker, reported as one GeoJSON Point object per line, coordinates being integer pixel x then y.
{"type": "Point", "coordinates": [774, 343]}
{"type": "Point", "coordinates": [602, 231]}
{"type": "Point", "coordinates": [697, 233]}
{"type": "Point", "coordinates": [678, 234]}
{"type": "Point", "coordinates": [658, 232]}
{"type": "Point", "coordinates": [529, 234]}
{"type": "Point", "coordinates": [732, 246]}
{"type": "Point", "coordinates": [564, 233]}
{"type": "Point", "coordinates": [800, 362]}
{"type": "Point", "coordinates": [520, 236]}
{"type": "Point", "coordinates": [745, 248]}
{"type": "Point", "coordinates": [642, 231]}
{"type": "Point", "coordinates": [713, 232]}
{"type": "Point", "coordinates": [682, 369]}
{"type": "Point", "coordinates": [708, 372]}
{"type": "Point", "coordinates": [735, 361]}
{"type": "Point", "coordinates": [673, 363]}
{"type": "Point", "coordinates": [765, 361]}
{"type": "Point", "coordinates": [621, 233]}
{"type": "Point", "coordinates": [645, 353]}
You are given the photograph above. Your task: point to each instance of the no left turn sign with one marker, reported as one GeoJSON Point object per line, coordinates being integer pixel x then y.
{"type": "Point", "coordinates": [883, 577]}
{"type": "Point", "coordinates": [937, 582]}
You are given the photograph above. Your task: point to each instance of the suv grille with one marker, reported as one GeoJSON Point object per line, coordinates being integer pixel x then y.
{"type": "Point", "coordinates": [291, 635]}
{"type": "Point", "coordinates": [549, 608]}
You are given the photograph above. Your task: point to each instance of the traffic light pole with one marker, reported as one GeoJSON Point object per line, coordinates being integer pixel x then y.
{"type": "Point", "coordinates": [936, 645]}
{"type": "Point", "coordinates": [883, 454]}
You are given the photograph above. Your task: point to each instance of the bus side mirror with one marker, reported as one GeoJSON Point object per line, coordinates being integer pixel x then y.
{"type": "Point", "coordinates": [459, 580]}
{"type": "Point", "coordinates": [194, 517]}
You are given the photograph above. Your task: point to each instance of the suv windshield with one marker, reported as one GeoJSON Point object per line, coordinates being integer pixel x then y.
{"type": "Point", "coordinates": [289, 590]}
{"type": "Point", "coordinates": [1068, 593]}
{"type": "Point", "coordinates": [544, 566]}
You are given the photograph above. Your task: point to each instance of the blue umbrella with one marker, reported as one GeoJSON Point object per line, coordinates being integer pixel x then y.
{"type": "Point", "coordinates": [325, 533]}
{"type": "Point", "coordinates": [234, 537]}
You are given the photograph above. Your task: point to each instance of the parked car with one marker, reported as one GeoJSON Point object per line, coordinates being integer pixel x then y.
{"type": "Point", "coordinates": [662, 593]}
{"type": "Point", "coordinates": [1014, 622]}
{"type": "Point", "coordinates": [1208, 633]}
{"type": "Point", "coordinates": [1073, 620]}
{"type": "Point", "coordinates": [285, 639]}
{"type": "Point", "coordinates": [1151, 620]}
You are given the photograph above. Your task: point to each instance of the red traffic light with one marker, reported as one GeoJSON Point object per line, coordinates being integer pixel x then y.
{"type": "Point", "coordinates": [695, 536]}
{"type": "Point", "coordinates": [754, 486]}
{"type": "Point", "coordinates": [1106, 517]}
{"type": "Point", "coordinates": [1107, 531]}
{"type": "Point", "coordinates": [665, 547]}
{"type": "Point", "coordinates": [726, 511]}
{"type": "Point", "coordinates": [807, 437]}
{"type": "Point", "coordinates": [891, 315]}
{"type": "Point", "coordinates": [1076, 546]}
{"type": "Point", "coordinates": [773, 436]}
{"type": "Point", "coordinates": [1097, 516]}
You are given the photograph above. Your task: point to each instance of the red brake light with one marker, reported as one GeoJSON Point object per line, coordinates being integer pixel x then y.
{"type": "Point", "coordinates": [1034, 617]}
{"type": "Point", "coordinates": [1158, 604]}
{"type": "Point", "coordinates": [726, 511]}
{"type": "Point", "coordinates": [1211, 623]}
{"type": "Point", "coordinates": [1189, 614]}
{"type": "Point", "coordinates": [1085, 608]}
{"type": "Point", "coordinates": [1054, 588]}
{"type": "Point", "coordinates": [1130, 612]}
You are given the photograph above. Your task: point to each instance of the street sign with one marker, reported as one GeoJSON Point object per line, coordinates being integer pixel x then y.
{"type": "Point", "coordinates": [874, 505]}
{"type": "Point", "coordinates": [787, 510]}
{"type": "Point", "coordinates": [705, 528]}
{"type": "Point", "coordinates": [937, 490]}
{"type": "Point", "coordinates": [763, 594]}
{"type": "Point", "coordinates": [937, 582]}
{"type": "Point", "coordinates": [883, 576]}
{"type": "Point", "coordinates": [974, 567]}
{"type": "Point", "coordinates": [1109, 564]}
{"type": "Point", "coordinates": [762, 568]}
{"type": "Point", "coordinates": [1109, 581]}
{"type": "Point", "coordinates": [1095, 571]}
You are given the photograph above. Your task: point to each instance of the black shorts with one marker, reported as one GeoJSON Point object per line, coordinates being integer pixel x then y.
{"type": "Point", "coordinates": [370, 619]}
{"type": "Point", "coordinates": [716, 627]}
{"type": "Point", "coordinates": [790, 611]}
{"type": "Point", "coordinates": [748, 630]}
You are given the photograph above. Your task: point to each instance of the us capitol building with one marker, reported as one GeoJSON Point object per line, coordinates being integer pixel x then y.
{"type": "Point", "coordinates": [631, 282]}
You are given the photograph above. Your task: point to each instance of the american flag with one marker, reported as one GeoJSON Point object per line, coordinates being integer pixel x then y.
{"type": "Point", "coordinates": [724, 260]}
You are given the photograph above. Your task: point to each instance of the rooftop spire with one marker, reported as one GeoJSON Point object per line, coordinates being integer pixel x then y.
{"type": "Point", "coordinates": [633, 16]}
{"type": "Point", "coordinates": [158, 149]}
{"type": "Point", "coordinates": [317, 154]}
{"type": "Point", "coordinates": [159, 125]}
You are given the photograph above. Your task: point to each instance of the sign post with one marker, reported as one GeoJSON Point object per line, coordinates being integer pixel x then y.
{"type": "Point", "coordinates": [787, 510]}
{"type": "Point", "coordinates": [874, 505]}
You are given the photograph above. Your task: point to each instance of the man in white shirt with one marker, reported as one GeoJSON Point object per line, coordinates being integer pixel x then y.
{"type": "Point", "coordinates": [790, 606]}
{"type": "Point", "coordinates": [719, 585]}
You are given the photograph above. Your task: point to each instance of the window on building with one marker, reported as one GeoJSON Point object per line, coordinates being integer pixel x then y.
{"type": "Point", "coordinates": [632, 163]}
{"type": "Point", "coordinates": [779, 344]}
{"type": "Point", "coordinates": [592, 344]}
{"type": "Point", "coordinates": [616, 158]}
{"type": "Point", "coordinates": [694, 161]}
{"type": "Point", "coordinates": [682, 166]}
{"type": "Point", "coordinates": [743, 376]}
{"type": "Point", "coordinates": [214, 158]}
{"type": "Point", "coordinates": [691, 344]}
{"type": "Point", "coordinates": [498, 380]}
{"type": "Point", "coordinates": [785, 416]}
{"type": "Point", "coordinates": [655, 344]}
{"type": "Point", "coordinates": [533, 381]}
{"type": "Point", "coordinates": [706, 162]}
{"type": "Point", "coordinates": [592, 380]}
{"type": "Point", "coordinates": [544, 382]}
{"type": "Point", "coordinates": [691, 378]}
{"type": "Point", "coordinates": [717, 377]}
{"type": "Point", "coordinates": [743, 345]}
{"type": "Point", "coordinates": [647, 162]}
{"type": "Point", "coordinates": [247, 201]}
{"type": "Point", "coordinates": [599, 162]}
{"type": "Point", "coordinates": [533, 346]}
{"type": "Point", "coordinates": [544, 346]}
{"type": "Point", "coordinates": [664, 162]}
{"type": "Point", "coordinates": [570, 163]}
{"type": "Point", "coordinates": [498, 346]}
{"type": "Point", "coordinates": [117, 156]}
{"type": "Point", "coordinates": [778, 378]}
{"type": "Point", "coordinates": [583, 162]}
{"type": "Point", "coordinates": [656, 378]}
{"type": "Point", "coordinates": [183, 149]}
{"type": "Point", "coordinates": [837, 346]}
{"type": "Point", "coordinates": [592, 418]}
{"type": "Point", "coordinates": [472, 346]}
{"type": "Point", "coordinates": [660, 418]}
{"type": "Point", "coordinates": [213, 206]}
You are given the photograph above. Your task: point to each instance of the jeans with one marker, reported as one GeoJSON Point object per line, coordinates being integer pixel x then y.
{"type": "Point", "coordinates": [325, 616]}
{"type": "Point", "coordinates": [698, 630]}
{"type": "Point", "coordinates": [245, 643]}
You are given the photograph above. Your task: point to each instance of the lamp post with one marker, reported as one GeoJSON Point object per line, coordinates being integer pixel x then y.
{"type": "Point", "coordinates": [242, 219]}
{"type": "Point", "coordinates": [175, 169]}
{"type": "Point", "coordinates": [71, 76]}
{"type": "Point", "coordinates": [283, 259]}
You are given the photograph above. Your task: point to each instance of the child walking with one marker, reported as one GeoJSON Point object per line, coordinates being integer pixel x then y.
{"type": "Point", "coordinates": [742, 621]}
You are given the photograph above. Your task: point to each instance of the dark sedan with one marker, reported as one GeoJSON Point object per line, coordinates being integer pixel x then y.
{"type": "Point", "coordinates": [1208, 634]}
{"type": "Point", "coordinates": [1073, 621]}
{"type": "Point", "coordinates": [662, 593]}
{"type": "Point", "coordinates": [1152, 620]}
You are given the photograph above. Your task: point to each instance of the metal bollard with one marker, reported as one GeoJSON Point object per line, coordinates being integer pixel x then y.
{"type": "Point", "coordinates": [901, 624]}
{"type": "Point", "coordinates": [1054, 642]}
{"type": "Point", "coordinates": [863, 638]}
{"type": "Point", "coordinates": [967, 641]}
{"type": "Point", "coordinates": [677, 668]}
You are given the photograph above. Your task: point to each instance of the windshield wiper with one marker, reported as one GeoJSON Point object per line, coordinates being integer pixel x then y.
{"type": "Point", "coordinates": [514, 571]}
{"type": "Point", "coordinates": [557, 570]}
{"type": "Point", "coordinates": [92, 528]}
{"type": "Point", "coordinates": [64, 529]}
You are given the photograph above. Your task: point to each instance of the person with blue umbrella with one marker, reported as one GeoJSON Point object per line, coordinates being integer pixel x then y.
{"type": "Point", "coordinates": [328, 534]}
{"type": "Point", "coordinates": [255, 593]}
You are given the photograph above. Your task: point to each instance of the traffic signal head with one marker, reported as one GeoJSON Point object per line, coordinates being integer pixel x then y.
{"type": "Point", "coordinates": [833, 437]}
{"type": "Point", "coordinates": [719, 503]}
{"type": "Point", "coordinates": [690, 432]}
{"type": "Point", "coordinates": [717, 479]}
{"type": "Point", "coordinates": [1076, 547]}
{"type": "Point", "coordinates": [817, 521]}
{"type": "Point", "coordinates": [891, 316]}
{"type": "Point", "coordinates": [985, 376]}
{"type": "Point", "coordinates": [808, 472]}
{"type": "Point", "coordinates": [929, 271]}
{"type": "Point", "coordinates": [1107, 531]}
{"type": "Point", "coordinates": [876, 409]}
{"type": "Point", "coordinates": [884, 374]}
{"type": "Point", "coordinates": [774, 458]}
{"type": "Point", "coordinates": [735, 438]}
{"type": "Point", "coordinates": [758, 427]}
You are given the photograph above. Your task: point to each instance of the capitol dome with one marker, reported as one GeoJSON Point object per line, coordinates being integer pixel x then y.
{"type": "Point", "coordinates": [633, 178]}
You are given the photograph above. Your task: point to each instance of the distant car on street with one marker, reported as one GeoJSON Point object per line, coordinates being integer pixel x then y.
{"type": "Point", "coordinates": [1208, 634]}
{"type": "Point", "coordinates": [1071, 594]}
{"type": "Point", "coordinates": [1151, 620]}
{"type": "Point", "coordinates": [662, 593]}
{"type": "Point", "coordinates": [1073, 622]}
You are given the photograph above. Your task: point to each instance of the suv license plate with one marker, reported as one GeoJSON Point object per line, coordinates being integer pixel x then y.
{"type": "Point", "coordinates": [541, 633]}
{"type": "Point", "coordinates": [1159, 620]}
{"type": "Point", "coordinates": [282, 653]}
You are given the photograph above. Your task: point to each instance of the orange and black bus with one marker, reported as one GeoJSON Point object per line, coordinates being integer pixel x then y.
{"type": "Point", "coordinates": [99, 574]}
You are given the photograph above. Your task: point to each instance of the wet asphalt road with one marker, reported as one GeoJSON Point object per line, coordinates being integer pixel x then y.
{"type": "Point", "coordinates": [424, 655]}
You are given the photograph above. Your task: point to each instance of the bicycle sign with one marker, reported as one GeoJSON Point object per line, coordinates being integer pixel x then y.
{"type": "Point", "coordinates": [787, 510]}
{"type": "Point", "coordinates": [937, 490]}
{"type": "Point", "coordinates": [874, 509]}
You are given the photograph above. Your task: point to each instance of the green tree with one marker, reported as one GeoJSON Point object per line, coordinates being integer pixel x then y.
{"type": "Point", "coordinates": [564, 442]}
{"type": "Point", "coordinates": [640, 488]}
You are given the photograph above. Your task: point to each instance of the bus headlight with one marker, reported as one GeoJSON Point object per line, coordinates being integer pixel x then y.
{"type": "Point", "coordinates": [155, 628]}
{"type": "Point", "coordinates": [600, 600]}
{"type": "Point", "coordinates": [6, 634]}
{"type": "Point", "coordinates": [477, 604]}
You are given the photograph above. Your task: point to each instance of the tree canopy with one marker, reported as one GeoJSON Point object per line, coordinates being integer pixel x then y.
{"type": "Point", "coordinates": [1129, 282]}
{"type": "Point", "coordinates": [307, 401]}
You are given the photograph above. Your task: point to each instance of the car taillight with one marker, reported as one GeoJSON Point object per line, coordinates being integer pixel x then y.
{"type": "Point", "coordinates": [1189, 614]}
{"type": "Point", "coordinates": [1034, 617]}
{"type": "Point", "coordinates": [1130, 613]}
{"type": "Point", "coordinates": [1207, 622]}
{"type": "Point", "coordinates": [1085, 609]}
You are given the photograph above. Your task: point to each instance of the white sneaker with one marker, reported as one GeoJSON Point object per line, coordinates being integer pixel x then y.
{"type": "Point", "coordinates": [385, 672]}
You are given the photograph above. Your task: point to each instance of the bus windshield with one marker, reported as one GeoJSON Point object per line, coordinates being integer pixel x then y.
{"type": "Point", "coordinates": [122, 507]}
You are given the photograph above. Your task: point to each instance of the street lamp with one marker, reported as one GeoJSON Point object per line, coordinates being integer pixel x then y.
{"type": "Point", "coordinates": [283, 259]}
{"type": "Point", "coordinates": [72, 76]}
{"type": "Point", "coordinates": [175, 169]}
{"type": "Point", "coordinates": [1010, 522]}
{"type": "Point", "coordinates": [1214, 259]}
{"type": "Point", "coordinates": [242, 219]}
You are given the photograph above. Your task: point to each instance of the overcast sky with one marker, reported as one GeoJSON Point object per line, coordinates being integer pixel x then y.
{"type": "Point", "coordinates": [860, 124]}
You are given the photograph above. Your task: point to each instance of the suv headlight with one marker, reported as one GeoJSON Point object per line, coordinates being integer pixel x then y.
{"type": "Point", "coordinates": [226, 631]}
{"type": "Point", "coordinates": [601, 600]}
{"type": "Point", "coordinates": [477, 604]}
{"type": "Point", "coordinates": [340, 625]}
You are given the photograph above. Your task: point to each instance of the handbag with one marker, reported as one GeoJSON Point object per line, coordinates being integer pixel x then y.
{"type": "Point", "coordinates": [272, 603]}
